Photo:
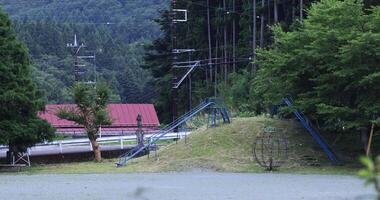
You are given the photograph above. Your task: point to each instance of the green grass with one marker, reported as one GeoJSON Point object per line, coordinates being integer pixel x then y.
{"type": "Point", "coordinates": [227, 148]}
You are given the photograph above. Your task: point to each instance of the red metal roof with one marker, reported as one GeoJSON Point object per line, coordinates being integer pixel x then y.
{"type": "Point", "coordinates": [123, 116]}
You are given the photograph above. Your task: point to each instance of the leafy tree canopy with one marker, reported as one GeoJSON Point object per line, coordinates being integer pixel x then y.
{"type": "Point", "coordinates": [329, 64]}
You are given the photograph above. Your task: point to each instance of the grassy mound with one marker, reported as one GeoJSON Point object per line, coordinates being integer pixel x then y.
{"type": "Point", "coordinates": [230, 148]}
{"type": "Point", "coordinates": [226, 148]}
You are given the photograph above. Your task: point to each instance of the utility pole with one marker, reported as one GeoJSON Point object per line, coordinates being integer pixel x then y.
{"type": "Point", "coordinates": [174, 76]}
{"type": "Point", "coordinates": [209, 41]}
{"type": "Point", "coordinates": [175, 52]}
{"type": "Point", "coordinates": [254, 37]}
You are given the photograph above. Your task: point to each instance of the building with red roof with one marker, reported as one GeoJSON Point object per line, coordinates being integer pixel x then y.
{"type": "Point", "coordinates": [123, 118]}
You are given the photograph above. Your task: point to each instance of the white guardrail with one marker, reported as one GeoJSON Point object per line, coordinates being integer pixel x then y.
{"type": "Point", "coordinates": [101, 140]}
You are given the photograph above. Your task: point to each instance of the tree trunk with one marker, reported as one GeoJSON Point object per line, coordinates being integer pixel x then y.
{"type": "Point", "coordinates": [225, 44]}
{"type": "Point", "coordinates": [293, 10]}
{"type": "Point", "coordinates": [216, 62]}
{"type": "Point", "coordinates": [209, 41]}
{"type": "Point", "coordinates": [364, 136]}
{"type": "Point", "coordinates": [269, 12]}
{"type": "Point", "coordinates": [234, 37]}
{"type": "Point", "coordinates": [96, 149]}
{"type": "Point", "coordinates": [301, 10]}
{"type": "Point", "coordinates": [275, 11]}
{"type": "Point", "coordinates": [262, 25]}
{"type": "Point", "coordinates": [254, 36]}
{"type": "Point", "coordinates": [10, 153]}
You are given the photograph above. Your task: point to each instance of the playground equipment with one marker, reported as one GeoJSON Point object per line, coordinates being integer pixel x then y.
{"type": "Point", "coordinates": [313, 131]}
{"type": "Point", "coordinates": [270, 148]}
{"type": "Point", "coordinates": [216, 108]}
{"type": "Point", "coordinates": [217, 112]}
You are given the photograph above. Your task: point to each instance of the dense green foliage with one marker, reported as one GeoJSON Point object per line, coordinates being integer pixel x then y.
{"type": "Point", "coordinates": [116, 30]}
{"type": "Point", "coordinates": [90, 111]}
{"type": "Point", "coordinates": [20, 100]}
{"type": "Point", "coordinates": [329, 65]}
{"type": "Point", "coordinates": [333, 51]}
{"type": "Point", "coordinates": [216, 79]}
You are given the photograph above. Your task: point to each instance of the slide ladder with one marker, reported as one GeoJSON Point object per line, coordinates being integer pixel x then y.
{"type": "Point", "coordinates": [225, 115]}
{"type": "Point", "coordinates": [217, 112]}
{"type": "Point", "coordinates": [314, 133]}
{"type": "Point", "coordinates": [123, 159]}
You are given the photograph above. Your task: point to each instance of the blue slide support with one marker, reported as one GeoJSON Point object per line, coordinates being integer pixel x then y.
{"type": "Point", "coordinates": [316, 136]}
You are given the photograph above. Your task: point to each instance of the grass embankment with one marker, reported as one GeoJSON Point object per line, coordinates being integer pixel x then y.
{"type": "Point", "coordinates": [227, 148]}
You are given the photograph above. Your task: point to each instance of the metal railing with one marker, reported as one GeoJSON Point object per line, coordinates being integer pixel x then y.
{"type": "Point", "coordinates": [61, 144]}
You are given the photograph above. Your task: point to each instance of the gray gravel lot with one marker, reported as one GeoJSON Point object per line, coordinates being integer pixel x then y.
{"type": "Point", "coordinates": [183, 186]}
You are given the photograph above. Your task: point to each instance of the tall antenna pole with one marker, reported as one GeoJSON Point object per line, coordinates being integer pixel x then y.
{"type": "Point", "coordinates": [78, 72]}
{"type": "Point", "coordinates": [79, 69]}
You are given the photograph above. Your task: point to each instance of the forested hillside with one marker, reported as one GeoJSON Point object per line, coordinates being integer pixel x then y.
{"type": "Point", "coordinates": [229, 43]}
{"type": "Point", "coordinates": [245, 52]}
{"type": "Point", "coordinates": [224, 37]}
{"type": "Point", "coordinates": [115, 30]}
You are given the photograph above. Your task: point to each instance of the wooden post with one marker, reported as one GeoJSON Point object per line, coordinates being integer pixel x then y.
{"type": "Point", "coordinates": [368, 151]}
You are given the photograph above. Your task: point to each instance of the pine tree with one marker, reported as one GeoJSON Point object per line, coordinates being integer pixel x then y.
{"type": "Point", "coordinates": [20, 100]}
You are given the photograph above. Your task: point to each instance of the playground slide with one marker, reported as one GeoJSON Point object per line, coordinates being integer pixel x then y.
{"type": "Point", "coordinates": [314, 133]}
{"type": "Point", "coordinates": [170, 127]}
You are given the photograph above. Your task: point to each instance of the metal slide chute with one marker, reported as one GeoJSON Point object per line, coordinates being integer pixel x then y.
{"type": "Point", "coordinates": [313, 132]}
{"type": "Point", "coordinates": [170, 127]}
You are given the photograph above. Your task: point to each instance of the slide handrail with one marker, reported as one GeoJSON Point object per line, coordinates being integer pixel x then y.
{"type": "Point", "coordinates": [155, 137]}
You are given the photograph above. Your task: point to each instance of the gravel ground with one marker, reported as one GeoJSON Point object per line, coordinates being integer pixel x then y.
{"type": "Point", "coordinates": [183, 186]}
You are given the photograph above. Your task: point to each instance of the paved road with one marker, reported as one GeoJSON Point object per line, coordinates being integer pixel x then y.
{"type": "Point", "coordinates": [183, 186]}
